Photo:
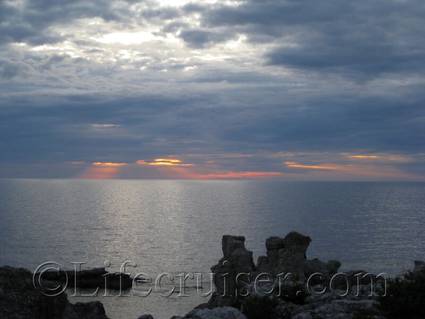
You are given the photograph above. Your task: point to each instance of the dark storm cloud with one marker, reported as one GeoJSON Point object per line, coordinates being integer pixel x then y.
{"type": "Point", "coordinates": [365, 38]}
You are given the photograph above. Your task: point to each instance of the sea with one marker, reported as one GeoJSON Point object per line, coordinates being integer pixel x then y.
{"type": "Point", "coordinates": [166, 228]}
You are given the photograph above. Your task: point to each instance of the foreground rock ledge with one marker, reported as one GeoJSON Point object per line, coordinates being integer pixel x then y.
{"type": "Point", "coordinates": [20, 300]}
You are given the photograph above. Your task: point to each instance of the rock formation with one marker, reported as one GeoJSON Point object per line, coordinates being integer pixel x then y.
{"type": "Point", "coordinates": [236, 260]}
{"type": "Point", "coordinates": [91, 278]}
{"type": "Point", "coordinates": [286, 255]}
{"type": "Point", "coordinates": [20, 300]}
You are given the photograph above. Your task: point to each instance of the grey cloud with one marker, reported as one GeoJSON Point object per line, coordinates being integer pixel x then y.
{"type": "Point", "coordinates": [203, 38]}
{"type": "Point", "coordinates": [365, 38]}
{"type": "Point", "coordinates": [9, 70]}
{"type": "Point", "coordinates": [30, 22]}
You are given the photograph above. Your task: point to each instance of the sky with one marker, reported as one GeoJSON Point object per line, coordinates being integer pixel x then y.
{"type": "Point", "coordinates": [273, 89]}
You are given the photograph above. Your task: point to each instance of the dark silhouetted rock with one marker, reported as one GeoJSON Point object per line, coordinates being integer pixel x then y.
{"type": "Point", "coordinates": [19, 299]}
{"type": "Point", "coordinates": [274, 243]}
{"type": "Point", "coordinates": [230, 243]}
{"type": "Point", "coordinates": [236, 260]}
{"type": "Point", "coordinates": [419, 266]}
{"type": "Point", "coordinates": [91, 278]}
{"type": "Point", "coordinates": [292, 257]}
{"type": "Point", "coordinates": [317, 266]}
{"type": "Point", "coordinates": [89, 310]}
{"type": "Point", "coordinates": [215, 313]}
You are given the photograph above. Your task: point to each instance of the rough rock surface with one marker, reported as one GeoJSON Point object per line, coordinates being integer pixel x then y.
{"type": "Point", "coordinates": [236, 260]}
{"type": "Point", "coordinates": [90, 278]}
{"type": "Point", "coordinates": [288, 255]}
{"type": "Point", "coordinates": [215, 313]}
{"type": "Point", "coordinates": [419, 266]}
{"type": "Point", "coordinates": [20, 300]}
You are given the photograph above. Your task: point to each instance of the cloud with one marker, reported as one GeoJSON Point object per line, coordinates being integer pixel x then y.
{"type": "Point", "coordinates": [102, 126]}
{"type": "Point", "coordinates": [353, 39]}
{"type": "Point", "coordinates": [230, 83]}
{"type": "Point", "coordinates": [325, 167]}
{"type": "Point", "coordinates": [202, 38]}
{"type": "Point", "coordinates": [164, 162]}
{"type": "Point", "coordinates": [29, 21]}
{"type": "Point", "coordinates": [381, 158]}
{"type": "Point", "coordinates": [103, 170]}
{"type": "Point", "coordinates": [109, 164]}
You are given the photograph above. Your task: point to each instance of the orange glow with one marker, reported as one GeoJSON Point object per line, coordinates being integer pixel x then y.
{"type": "Point", "coordinates": [164, 162]}
{"type": "Point", "coordinates": [103, 170]}
{"type": "Point", "coordinates": [343, 171]}
{"type": "Point", "coordinates": [325, 167]}
{"type": "Point", "coordinates": [108, 164]}
{"type": "Point", "coordinates": [382, 157]}
{"type": "Point", "coordinates": [360, 156]}
{"type": "Point", "coordinates": [236, 175]}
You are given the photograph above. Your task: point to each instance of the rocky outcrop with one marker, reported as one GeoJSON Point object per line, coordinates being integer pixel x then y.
{"type": "Point", "coordinates": [89, 310]}
{"type": "Point", "coordinates": [91, 278]}
{"type": "Point", "coordinates": [236, 260]}
{"type": "Point", "coordinates": [20, 300]}
{"type": "Point", "coordinates": [331, 305]}
{"type": "Point", "coordinates": [419, 266]}
{"type": "Point", "coordinates": [215, 313]}
{"type": "Point", "coordinates": [287, 255]}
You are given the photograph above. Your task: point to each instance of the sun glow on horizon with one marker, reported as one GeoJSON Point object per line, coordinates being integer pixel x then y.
{"type": "Point", "coordinates": [362, 156]}
{"type": "Point", "coordinates": [326, 167]}
{"type": "Point", "coordinates": [109, 164]}
{"type": "Point", "coordinates": [164, 162]}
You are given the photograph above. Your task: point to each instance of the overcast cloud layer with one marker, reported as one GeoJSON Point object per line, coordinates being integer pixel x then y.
{"type": "Point", "coordinates": [295, 89]}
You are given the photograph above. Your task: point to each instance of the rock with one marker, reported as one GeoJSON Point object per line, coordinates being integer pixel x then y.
{"type": "Point", "coordinates": [147, 316]}
{"type": "Point", "coordinates": [274, 243]}
{"type": "Point", "coordinates": [333, 266]}
{"type": "Point", "coordinates": [21, 300]}
{"type": "Point", "coordinates": [419, 266]}
{"type": "Point", "coordinates": [292, 257]}
{"type": "Point", "coordinates": [91, 278]}
{"type": "Point", "coordinates": [236, 260]}
{"type": "Point", "coordinates": [303, 315]}
{"type": "Point", "coordinates": [215, 313]}
{"type": "Point", "coordinates": [230, 243]}
{"type": "Point", "coordinates": [263, 264]}
{"type": "Point", "coordinates": [317, 266]}
{"type": "Point", "coordinates": [297, 242]}
{"type": "Point", "coordinates": [87, 310]}
{"type": "Point", "coordinates": [288, 255]}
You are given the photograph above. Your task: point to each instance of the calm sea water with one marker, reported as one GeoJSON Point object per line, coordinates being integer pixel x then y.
{"type": "Point", "coordinates": [176, 226]}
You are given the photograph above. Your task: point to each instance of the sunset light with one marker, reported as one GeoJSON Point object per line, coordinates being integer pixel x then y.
{"type": "Point", "coordinates": [326, 167]}
{"type": "Point", "coordinates": [164, 162]}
